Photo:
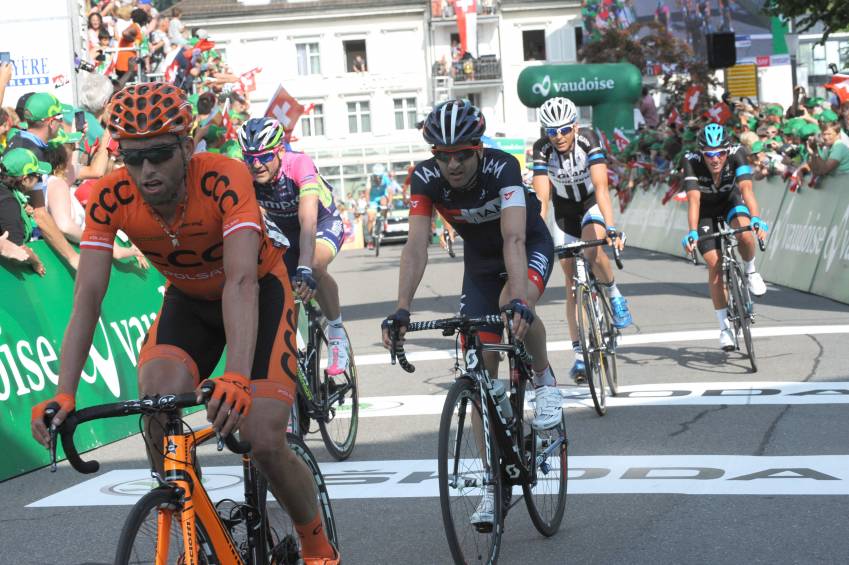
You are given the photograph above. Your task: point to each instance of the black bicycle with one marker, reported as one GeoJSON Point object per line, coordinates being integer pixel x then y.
{"type": "Point", "coordinates": [177, 522]}
{"type": "Point", "coordinates": [449, 241]}
{"type": "Point", "coordinates": [741, 308]}
{"type": "Point", "coordinates": [596, 332]}
{"type": "Point", "coordinates": [377, 230]}
{"type": "Point", "coordinates": [487, 446]}
{"type": "Point", "coordinates": [330, 400]}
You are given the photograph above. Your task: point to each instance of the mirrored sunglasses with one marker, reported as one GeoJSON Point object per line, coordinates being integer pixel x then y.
{"type": "Point", "coordinates": [460, 154]}
{"type": "Point", "coordinates": [714, 154]}
{"type": "Point", "coordinates": [565, 130]}
{"type": "Point", "coordinates": [263, 158]}
{"type": "Point", "coordinates": [156, 155]}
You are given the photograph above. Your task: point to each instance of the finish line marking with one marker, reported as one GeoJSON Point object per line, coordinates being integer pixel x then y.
{"type": "Point", "coordinates": [663, 394]}
{"type": "Point", "coordinates": [812, 475]}
{"type": "Point", "coordinates": [625, 341]}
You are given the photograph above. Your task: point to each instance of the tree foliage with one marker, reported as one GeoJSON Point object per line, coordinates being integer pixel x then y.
{"type": "Point", "coordinates": [832, 14]}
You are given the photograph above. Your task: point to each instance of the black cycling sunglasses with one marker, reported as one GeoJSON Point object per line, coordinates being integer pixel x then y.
{"type": "Point", "coordinates": [460, 154]}
{"type": "Point", "coordinates": [156, 155]}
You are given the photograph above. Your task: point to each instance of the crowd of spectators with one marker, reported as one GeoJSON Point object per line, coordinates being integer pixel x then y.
{"type": "Point", "coordinates": [52, 153]}
{"type": "Point", "coordinates": [801, 144]}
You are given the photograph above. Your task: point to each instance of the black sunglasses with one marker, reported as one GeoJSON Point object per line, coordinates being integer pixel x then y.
{"type": "Point", "coordinates": [156, 155]}
{"type": "Point", "coordinates": [459, 154]}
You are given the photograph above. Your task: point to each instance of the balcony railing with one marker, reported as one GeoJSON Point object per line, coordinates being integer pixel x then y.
{"type": "Point", "coordinates": [444, 9]}
{"type": "Point", "coordinates": [486, 67]}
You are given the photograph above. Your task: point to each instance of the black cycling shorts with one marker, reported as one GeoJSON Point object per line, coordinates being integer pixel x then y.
{"type": "Point", "coordinates": [708, 216]}
{"type": "Point", "coordinates": [572, 216]}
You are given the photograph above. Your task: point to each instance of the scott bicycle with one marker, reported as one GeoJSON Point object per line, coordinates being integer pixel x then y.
{"type": "Point", "coordinates": [177, 522]}
{"type": "Point", "coordinates": [596, 332]}
{"type": "Point", "coordinates": [487, 445]}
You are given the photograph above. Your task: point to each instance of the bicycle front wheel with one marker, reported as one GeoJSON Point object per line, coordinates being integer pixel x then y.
{"type": "Point", "coordinates": [610, 337]}
{"type": "Point", "coordinates": [742, 303]}
{"type": "Point", "coordinates": [547, 454]}
{"type": "Point", "coordinates": [592, 346]}
{"type": "Point", "coordinates": [338, 397]}
{"type": "Point", "coordinates": [466, 475]}
{"type": "Point", "coordinates": [153, 533]}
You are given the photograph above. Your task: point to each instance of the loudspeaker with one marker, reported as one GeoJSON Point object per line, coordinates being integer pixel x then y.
{"type": "Point", "coordinates": [721, 50]}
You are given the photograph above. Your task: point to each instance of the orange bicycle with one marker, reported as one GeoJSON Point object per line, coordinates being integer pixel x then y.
{"type": "Point", "coordinates": [177, 522]}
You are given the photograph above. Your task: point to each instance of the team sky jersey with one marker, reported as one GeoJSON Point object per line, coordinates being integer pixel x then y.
{"type": "Point", "coordinates": [569, 173]}
{"type": "Point", "coordinates": [697, 176]}
{"type": "Point", "coordinates": [220, 202]}
{"type": "Point", "coordinates": [280, 198]}
{"type": "Point", "coordinates": [476, 213]}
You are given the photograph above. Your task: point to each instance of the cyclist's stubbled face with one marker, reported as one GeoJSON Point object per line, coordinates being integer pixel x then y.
{"type": "Point", "coordinates": [264, 173]}
{"type": "Point", "coordinates": [717, 162]}
{"type": "Point", "coordinates": [563, 143]}
{"type": "Point", "coordinates": [459, 171]}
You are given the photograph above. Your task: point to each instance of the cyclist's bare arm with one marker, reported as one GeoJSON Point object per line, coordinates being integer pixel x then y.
{"type": "Point", "coordinates": [694, 198]}
{"type": "Point", "coordinates": [542, 188]}
{"type": "Point", "coordinates": [240, 299]}
{"type": "Point", "coordinates": [748, 192]}
{"type": "Point", "coordinates": [513, 230]}
{"type": "Point", "coordinates": [308, 218]}
{"type": "Point", "coordinates": [90, 287]}
{"type": "Point", "coordinates": [413, 260]}
{"type": "Point", "coordinates": [598, 176]}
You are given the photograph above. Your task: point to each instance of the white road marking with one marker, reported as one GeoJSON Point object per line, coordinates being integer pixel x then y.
{"type": "Point", "coordinates": [812, 475]}
{"type": "Point", "coordinates": [666, 394]}
{"type": "Point", "coordinates": [626, 341]}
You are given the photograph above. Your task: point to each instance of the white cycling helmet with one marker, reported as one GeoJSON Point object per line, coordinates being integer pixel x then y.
{"type": "Point", "coordinates": [378, 169]}
{"type": "Point", "coordinates": [556, 112]}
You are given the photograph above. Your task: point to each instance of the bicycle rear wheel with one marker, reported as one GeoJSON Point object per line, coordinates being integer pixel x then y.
{"type": "Point", "coordinates": [464, 477]}
{"type": "Point", "coordinates": [378, 235]}
{"type": "Point", "coordinates": [338, 397]}
{"type": "Point", "coordinates": [592, 346]}
{"type": "Point", "coordinates": [156, 515]}
{"type": "Point", "coordinates": [548, 452]}
{"type": "Point", "coordinates": [282, 539]}
{"type": "Point", "coordinates": [742, 303]}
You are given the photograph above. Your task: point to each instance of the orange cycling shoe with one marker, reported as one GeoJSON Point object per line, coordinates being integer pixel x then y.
{"type": "Point", "coordinates": [335, 560]}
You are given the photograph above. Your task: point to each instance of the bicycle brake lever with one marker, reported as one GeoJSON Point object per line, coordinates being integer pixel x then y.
{"type": "Point", "coordinates": [220, 444]}
{"type": "Point", "coordinates": [54, 436]}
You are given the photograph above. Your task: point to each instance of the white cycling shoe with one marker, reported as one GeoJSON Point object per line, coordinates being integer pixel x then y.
{"type": "Point", "coordinates": [757, 286]}
{"type": "Point", "coordinates": [726, 339]}
{"type": "Point", "coordinates": [337, 356]}
{"type": "Point", "coordinates": [483, 517]}
{"type": "Point", "coordinates": [548, 407]}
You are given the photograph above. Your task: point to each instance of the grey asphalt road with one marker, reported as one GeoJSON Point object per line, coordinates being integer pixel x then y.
{"type": "Point", "coordinates": [700, 462]}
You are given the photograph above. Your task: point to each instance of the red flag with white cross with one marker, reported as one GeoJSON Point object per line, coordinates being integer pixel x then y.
{"type": "Point", "coordinates": [467, 22]}
{"type": "Point", "coordinates": [284, 109]}
{"type": "Point", "coordinates": [719, 113]}
{"type": "Point", "coordinates": [691, 99]}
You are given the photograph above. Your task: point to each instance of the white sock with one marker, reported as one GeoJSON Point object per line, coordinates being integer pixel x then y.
{"type": "Point", "coordinates": [335, 329]}
{"type": "Point", "coordinates": [337, 322]}
{"type": "Point", "coordinates": [722, 317]}
{"type": "Point", "coordinates": [612, 290]}
{"type": "Point", "coordinates": [750, 266]}
{"type": "Point", "coordinates": [545, 378]}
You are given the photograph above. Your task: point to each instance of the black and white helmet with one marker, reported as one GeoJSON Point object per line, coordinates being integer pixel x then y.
{"type": "Point", "coordinates": [258, 135]}
{"type": "Point", "coordinates": [556, 112]}
{"type": "Point", "coordinates": [455, 122]}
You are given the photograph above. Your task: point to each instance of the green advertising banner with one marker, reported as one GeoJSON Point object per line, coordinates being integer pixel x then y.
{"type": "Point", "coordinates": [32, 323]}
{"type": "Point", "coordinates": [832, 276]}
{"type": "Point", "coordinates": [610, 88]}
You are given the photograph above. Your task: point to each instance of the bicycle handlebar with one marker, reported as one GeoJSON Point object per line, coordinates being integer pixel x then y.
{"type": "Point", "coordinates": [728, 233]}
{"type": "Point", "coordinates": [147, 406]}
{"type": "Point", "coordinates": [575, 248]}
{"type": "Point", "coordinates": [449, 326]}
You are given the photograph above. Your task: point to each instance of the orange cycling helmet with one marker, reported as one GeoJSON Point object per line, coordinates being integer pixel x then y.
{"type": "Point", "coordinates": [149, 109]}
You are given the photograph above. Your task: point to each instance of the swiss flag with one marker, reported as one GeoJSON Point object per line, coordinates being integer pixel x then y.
{"type": "Point", "coordinates": [719, 113]}
{"type": "Point", "coordinates": [247, 81]}
{"type": "Point", "coordinates": [620, 139]}
{"type": "Point", "coordinates": [284, 109]}
{"type": "Point", "coordinates": [839, 85]}
{"type": "Point", "coordinates": [674, 118]}
{"type": "Point", "coordinates": [229, 129]}
{"type": "Point", "coordinates": [467, 22]}
{"type": "Point", "coordinates": [604, 141]}
{"type": "Point", "coordinates": [691, 98]}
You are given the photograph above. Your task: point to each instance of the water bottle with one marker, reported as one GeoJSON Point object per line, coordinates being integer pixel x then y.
{"type": "Point", "coordinates": [499, 395]}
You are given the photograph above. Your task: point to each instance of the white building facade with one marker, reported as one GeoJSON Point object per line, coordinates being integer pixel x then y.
{"type": "Point", "coordinates": [360, 118]}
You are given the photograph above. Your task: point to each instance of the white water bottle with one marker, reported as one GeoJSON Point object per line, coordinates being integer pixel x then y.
{"type": "Point", "coordinates": [499, 395]}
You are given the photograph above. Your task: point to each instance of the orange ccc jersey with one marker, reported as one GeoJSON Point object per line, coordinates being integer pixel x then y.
{"type": "Point", "coordinates": [220, 201]}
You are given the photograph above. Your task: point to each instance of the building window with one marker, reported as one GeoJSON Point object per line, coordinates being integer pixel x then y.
{"type": "Point", "coordinates": [355, 55]}
{"type": "Point", "coordinates": [405, 113]}
{"type": "Point", "coordinates": [312, 124]}
{"type": "Point", "coordinates": [309, 60]}
{"type": "Point", "coordinates": [533, 44]}
{"type": "Point", "coordinates": [359, 117]}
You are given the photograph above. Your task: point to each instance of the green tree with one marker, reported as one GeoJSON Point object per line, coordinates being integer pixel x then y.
{"type": "Point", "coordinates": [832, 14]}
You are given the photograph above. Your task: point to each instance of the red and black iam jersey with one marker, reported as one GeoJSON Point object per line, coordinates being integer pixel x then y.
{"type": "Point", "coordinates": [476, 212]}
